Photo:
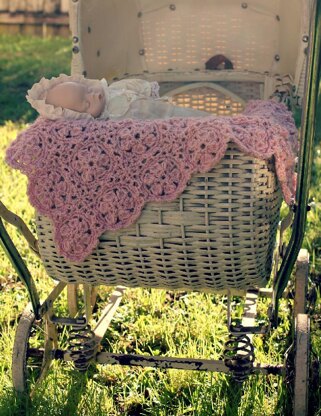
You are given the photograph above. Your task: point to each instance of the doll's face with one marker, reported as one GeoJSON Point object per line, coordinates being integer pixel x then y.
{"type": "Point", "coordinates": [77, 97]}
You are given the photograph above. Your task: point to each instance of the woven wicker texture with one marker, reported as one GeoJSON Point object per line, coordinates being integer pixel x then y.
{"type": "Point", "coordinates": [207, 99]}
{"type": "Point", "coordinates": [244, 90]}
{"type": "Point", "coordinates": [219, 234]}
{"type": "Point", "coordinates": [163, 36]}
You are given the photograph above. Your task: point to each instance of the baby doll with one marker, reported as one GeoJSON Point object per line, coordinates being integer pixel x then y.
{"type": "Point", "coordinates": [75, 97]}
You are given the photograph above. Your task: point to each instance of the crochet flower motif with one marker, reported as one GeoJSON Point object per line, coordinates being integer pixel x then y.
{"type": "Point", "coordinates": [89, 176]}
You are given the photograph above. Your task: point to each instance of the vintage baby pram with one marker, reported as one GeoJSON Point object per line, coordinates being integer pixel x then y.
{"type": "Point", "coordinates": [208, 239]}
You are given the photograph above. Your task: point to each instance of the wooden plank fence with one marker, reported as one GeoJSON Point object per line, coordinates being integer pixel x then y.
{"type": "Point", "coordinates": [35, 17]}
{"type": "Point", "coordinates": [35, 6]}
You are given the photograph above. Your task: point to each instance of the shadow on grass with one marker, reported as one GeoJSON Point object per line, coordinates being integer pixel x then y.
{"type": "Point", "coordinates": [221, 397]}
{"type": "Point", "coordinates": [41, 404]}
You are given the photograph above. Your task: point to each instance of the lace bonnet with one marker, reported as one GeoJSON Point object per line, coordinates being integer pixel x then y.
{"type": "Point", "coordinates": [36, 96]}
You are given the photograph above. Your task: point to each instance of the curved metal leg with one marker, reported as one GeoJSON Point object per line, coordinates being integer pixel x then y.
{"type": "Point", "coordinates": [72, 299]}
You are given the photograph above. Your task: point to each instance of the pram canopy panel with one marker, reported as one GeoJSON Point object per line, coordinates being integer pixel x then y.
{"type": "Point", "coordinates": [115, 39]}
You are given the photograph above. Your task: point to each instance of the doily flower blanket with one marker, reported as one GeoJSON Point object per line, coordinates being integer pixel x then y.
{"type": "Point", "coordinates": [93, 176]}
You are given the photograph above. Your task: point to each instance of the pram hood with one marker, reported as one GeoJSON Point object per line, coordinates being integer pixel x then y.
{"type": "Point", "coordinates": [117, 39]}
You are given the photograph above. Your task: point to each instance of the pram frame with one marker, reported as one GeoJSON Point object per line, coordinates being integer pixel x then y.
{"type": "Point", "coordinates": [310, 115]}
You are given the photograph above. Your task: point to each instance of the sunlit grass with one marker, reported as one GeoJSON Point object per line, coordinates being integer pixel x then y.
{"type": "Point", "coordinates": [148, 322]}
{"type": "Point", "coordinates": [24, 60]}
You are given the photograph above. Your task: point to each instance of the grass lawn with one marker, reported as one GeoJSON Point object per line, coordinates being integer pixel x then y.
{"type": "Point", "coordinates": [148, 321]}
{"type": "Point", "coordinates": [24, 60]}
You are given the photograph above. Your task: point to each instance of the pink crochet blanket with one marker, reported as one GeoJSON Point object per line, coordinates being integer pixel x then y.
{"type": "Point", "coordinates": [93, 176]}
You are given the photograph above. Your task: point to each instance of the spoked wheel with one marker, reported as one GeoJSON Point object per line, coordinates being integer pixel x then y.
{"type": "Point", "coordinates": [33, 348]}
{"type": "Point", "coordinates": [301, 364]}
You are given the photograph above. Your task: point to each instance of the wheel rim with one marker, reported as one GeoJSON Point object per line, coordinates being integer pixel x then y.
{"type": "Point", "coordinates": [301, 365]}
{"type": "Point", "coordinates": [28, 360]}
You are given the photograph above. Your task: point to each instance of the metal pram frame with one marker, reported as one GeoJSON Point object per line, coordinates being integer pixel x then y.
{"type": "Point", "coordinates": [221, 92]}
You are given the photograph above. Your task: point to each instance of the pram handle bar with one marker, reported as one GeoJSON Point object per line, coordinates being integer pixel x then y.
{"type": "Point", "coordinates": [18, 222]}
{"type": "Point", "coordinates": [309, 131]}
{"type": "Point", "coordinates": [14, 256]}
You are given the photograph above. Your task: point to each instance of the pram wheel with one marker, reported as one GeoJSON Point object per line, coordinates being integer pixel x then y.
{"type": "Point", "coordinates": [301, 337]}
{"type": "Point", "coordinates": [32, 350]}
{"type": "Point", "coordinates": [301, 364]}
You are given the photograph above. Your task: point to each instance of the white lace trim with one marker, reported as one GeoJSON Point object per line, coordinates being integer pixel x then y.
{"type": "Point", "coordinates": [36, 96]}
{"type": "Point", "coordinates": [119, 96]}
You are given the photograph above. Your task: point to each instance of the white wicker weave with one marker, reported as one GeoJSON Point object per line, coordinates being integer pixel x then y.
{"type": "Point", "coordinates": [218, 234]}
{"type": "Point", "coordinates": [117, 39]}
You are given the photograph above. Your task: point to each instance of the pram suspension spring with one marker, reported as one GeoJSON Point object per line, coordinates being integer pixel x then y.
{"type": "Point", "coordinates": [82, 346]}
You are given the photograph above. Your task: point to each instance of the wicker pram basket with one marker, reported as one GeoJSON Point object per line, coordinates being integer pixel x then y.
{"type": "Point", "coordinates": [219, 234]}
